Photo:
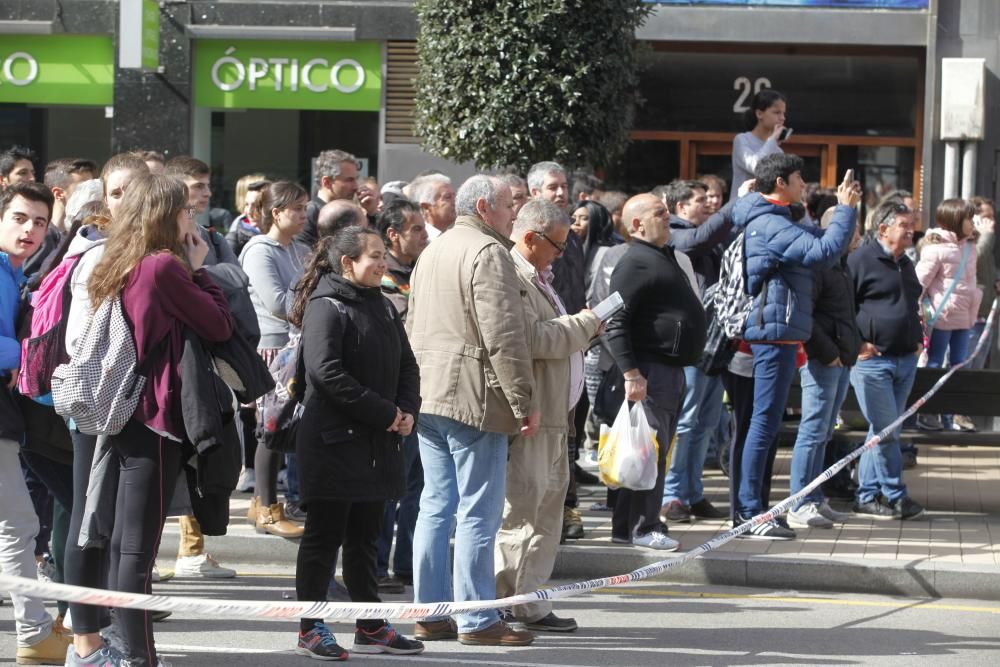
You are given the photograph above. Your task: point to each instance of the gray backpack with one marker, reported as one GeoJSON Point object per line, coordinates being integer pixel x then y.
{"type": "Point", "coordinates": [99, 388]}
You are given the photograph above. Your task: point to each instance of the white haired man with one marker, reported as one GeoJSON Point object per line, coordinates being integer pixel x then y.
{"type": "Point", "coordinates": [537, 468]}
{"type": "Point", "coordinates": [435, 196]}
{"type": "Point", "coordinates": [468, 331]}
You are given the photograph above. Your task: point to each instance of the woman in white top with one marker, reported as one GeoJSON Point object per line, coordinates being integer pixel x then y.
{"type": "Point", "coordinates": [764, 120]}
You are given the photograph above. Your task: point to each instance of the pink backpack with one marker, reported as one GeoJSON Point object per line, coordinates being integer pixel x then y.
{"type": "Point", "coordinates": [44, 347]}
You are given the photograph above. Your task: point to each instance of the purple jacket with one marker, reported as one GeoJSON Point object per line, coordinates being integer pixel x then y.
{"type": "Point", "coordinates": [160, 299]}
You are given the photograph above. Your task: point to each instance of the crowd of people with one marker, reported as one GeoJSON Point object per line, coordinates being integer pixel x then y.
{"type": "Point", "coordinates": [449, 368]}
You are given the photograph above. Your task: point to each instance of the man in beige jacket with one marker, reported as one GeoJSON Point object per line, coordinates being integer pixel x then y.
{"type": "Point", "coordinates": [469, 334]}
{"type": "Point", "coordinates": [537, 468]}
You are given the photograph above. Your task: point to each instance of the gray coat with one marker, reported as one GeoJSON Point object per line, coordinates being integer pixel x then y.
{"type": "Point", "coordinates": [274, 270]}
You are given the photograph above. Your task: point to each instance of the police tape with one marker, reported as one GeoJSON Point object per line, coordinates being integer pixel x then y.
{"type": "Point", "coordinates": [416, 611]}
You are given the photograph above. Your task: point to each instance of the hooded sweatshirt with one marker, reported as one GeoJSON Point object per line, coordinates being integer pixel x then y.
{"type": "Point", "coordinates": [274, 270]}
{"type": "Point", "coordinates": [91, 241]}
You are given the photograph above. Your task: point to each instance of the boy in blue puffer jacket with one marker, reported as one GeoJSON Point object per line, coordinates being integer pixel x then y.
{"type": "Point", "coordinates": [781, 256]}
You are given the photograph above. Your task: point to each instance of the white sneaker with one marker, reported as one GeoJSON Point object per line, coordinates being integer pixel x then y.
{"type": "Point", "coordinates": [46, 569]}
{"type": "Point", "coordinates": [656, 540]}
{"type": "Point", "coordinates": [282, 484]}
{"type": "Point", "coordinates": [808, 516]}
{"type": "Point", "coordinates": [202, 565]}
{"type": "Point", "coordinates": [247, 480]}
{"type": "Point", "coordinates": [155, 574]}
{"type": "Point", "coordinates": [832, 514]}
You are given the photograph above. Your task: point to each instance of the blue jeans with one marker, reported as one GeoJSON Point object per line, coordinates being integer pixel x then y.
{"type": "Point", "coordinates": [404, 519]}
{"type": "Point", "coordinates": [955, 342]}
{"type": "Point", "coordinates": [465, 478]}
{"type": "Point", "coordinates": [698, 420]}
{"type": "Point", "coordinates": [773, 370]}
{"type": "Point", "coordinates": [882, 385]}
{"type": "Point", "coordinates": [979, 362]}
{"type": "Point", "coordinates": [823, 391]}
{"type": "Point", "coordinates": [292, 478]}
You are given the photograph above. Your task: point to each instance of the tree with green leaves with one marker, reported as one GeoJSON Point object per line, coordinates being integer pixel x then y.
{"type": "Point", "coordinates": [513, 82]}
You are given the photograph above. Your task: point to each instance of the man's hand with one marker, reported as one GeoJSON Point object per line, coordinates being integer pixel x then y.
{"type": "Point", "coordinates": [406, 424]}
{"type": "Point", "coordinates": [368, 200]}
{"type": "Point", "coordinates": [396, 422]}
{"type": "Point", "coordinates": [530, 424]}
{"type": "Point", "coordinates": [635, 385]}
{"type": "Point", "coordinates": [746, 187]}
{"type": "Point", "coordinates": [849, 191]}
{"type": "Point", "coordinates": [868, 351]}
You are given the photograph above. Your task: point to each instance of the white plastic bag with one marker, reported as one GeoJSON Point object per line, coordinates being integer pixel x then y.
{"type": "Point", "coordinates": [627, 452]}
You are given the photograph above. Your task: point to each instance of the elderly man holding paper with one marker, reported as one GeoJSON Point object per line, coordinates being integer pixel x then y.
{"type": "Point", "coordinates": [537, 469]}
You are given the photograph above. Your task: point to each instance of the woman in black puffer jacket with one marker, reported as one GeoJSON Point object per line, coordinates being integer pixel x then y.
{"type": "Point", "coordinates": [362, 396]}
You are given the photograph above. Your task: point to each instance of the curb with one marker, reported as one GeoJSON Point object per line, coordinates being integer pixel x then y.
{"type": "Point", "coordinates": [918, 578]}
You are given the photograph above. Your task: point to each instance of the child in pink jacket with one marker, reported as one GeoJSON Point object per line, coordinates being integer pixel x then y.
{"type": "Point", "coordinates": [951, 297]}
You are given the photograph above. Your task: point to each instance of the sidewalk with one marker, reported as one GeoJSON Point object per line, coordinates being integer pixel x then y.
{"type": "Point", "coordinates": [952, 551]}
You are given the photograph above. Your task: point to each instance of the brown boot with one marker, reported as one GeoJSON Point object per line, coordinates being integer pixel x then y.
{"type": "Point", "coordinates": [429, 631]}
{"type": "Point", "coordinates": [49, 651]}
{"type": "Point", "coordinates": [272, 520]}
{"type": "Point", "coordinates": [252, 511]}
{"type": "Point", "coordinates": [498, 634]}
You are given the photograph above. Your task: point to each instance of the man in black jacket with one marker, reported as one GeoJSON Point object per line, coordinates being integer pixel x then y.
{"type": "Point", "coordinates": [887, 294]}
{"type": "Point", "coordinates": [700, 238]}
{"type": "Point", "coordinates": [660, 330]}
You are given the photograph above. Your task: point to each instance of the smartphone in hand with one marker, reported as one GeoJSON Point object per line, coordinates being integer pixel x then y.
{"type": "Point", "coordinates": [785, 133]}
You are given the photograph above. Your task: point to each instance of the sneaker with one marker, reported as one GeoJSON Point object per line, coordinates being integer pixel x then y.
{"type": "Point", "coordinates": [601, 507]}
{"type": "Point", "coordinates": [432, 631]}
{"type": "Point", "coordinates": [114, 638]}
{"type": "Point", "coordinates": [768, 530]}
{"type": "Point", "coordinates": [929, 423]}
{"type": "Point", "coordinates": [156, 576]}
{"type": "Point", "coordinates": [809, 516]}
{"type": "Point", "coordinates": [106, 656]}
{"type": "Point", "coordinates": [247, 480]}
{"type": "Point", "coordinates": [656, 539]}
{"type": "Point", "coordinates": [319, 643]}
{"type": "Point", "coordinates": [498, 634]}
{"type": "Point", "coordinates": [876, 508]}
{"type": "Point", "coordinates": [46, 569]}
{"type": "Point", "coordinates": [963, 424]}
{"type": "Point", "coordinates": [159, 615]}
{"type": "Point", "coordinates": [552, 623]}
{"type": "Point", "coordinates": [832, 514]}
{"type": "Point", "coordinates": [294, 512]}
{"type": "Point", "coordinates": [385, 640]}
{"type": "Point", "coordinates": [572, 524]}
{"type": "Point", "coordinates": [909, 458]}
{"type": "Point", "coordinates": [585, 477]}
{"type": "Point", "coordinates": [282, 484]}
{"type": "Point", "coordinates": [706, 510]}
{"type": "Point", "coordinates": [202, 565]}
{"type": "Point", "coordinates": [675, 511]}
{"type": "Point", "coordinates": [53, 650]}
{"type": "Point", "coordinates": [391, 585]}
{"type": "Point", "coordinates": [906, 508]}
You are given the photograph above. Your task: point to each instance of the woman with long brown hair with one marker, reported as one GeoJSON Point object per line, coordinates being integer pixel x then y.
{"type": "Point", "coordinates": [362, 392]}
{"type": "Point", "coordinates": [152, 262]}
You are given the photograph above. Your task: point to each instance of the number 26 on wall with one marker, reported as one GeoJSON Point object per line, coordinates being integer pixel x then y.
{"type": "Point", "coordinates": [747, 90]}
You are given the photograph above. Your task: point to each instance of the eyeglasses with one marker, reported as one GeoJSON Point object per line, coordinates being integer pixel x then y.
{"type": "Point", "coordinates": [893, 209]}
{"type": "Point", "coordinates": [561, 247]}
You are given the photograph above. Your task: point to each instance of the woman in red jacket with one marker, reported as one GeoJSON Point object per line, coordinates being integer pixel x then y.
{"type": "Point", "coordinates": [152, 261]}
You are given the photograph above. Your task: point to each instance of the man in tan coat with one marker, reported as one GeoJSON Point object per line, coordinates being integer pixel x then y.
{"type": "Point", "coordinates": [469, 334]}
{"type": "Point", "coordinates": [537, 468]}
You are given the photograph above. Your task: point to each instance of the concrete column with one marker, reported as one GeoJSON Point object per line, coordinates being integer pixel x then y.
{"type": "Point", "coordinates": [950, 169]}
{"type": "Point", "coordinates": [970, 150]}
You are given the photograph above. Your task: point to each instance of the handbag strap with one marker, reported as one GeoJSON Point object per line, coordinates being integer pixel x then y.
{"type": "Point", "coordinates": [947, 293]}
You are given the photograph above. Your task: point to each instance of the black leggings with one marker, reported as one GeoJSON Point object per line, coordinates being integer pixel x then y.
{"type": "Point", "coordinates": [332, 525]}
{"type": "Point", "coordinates": [85, 567]}
{"type": "Point", "coordinates": [267, 464]}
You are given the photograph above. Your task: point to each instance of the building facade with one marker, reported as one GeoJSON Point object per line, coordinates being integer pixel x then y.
{"type": "Point", "coordinates": [262, 86]}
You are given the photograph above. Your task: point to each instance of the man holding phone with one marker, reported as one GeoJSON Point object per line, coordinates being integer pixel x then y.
{"type": "Point", "coordinates": [781, 256]}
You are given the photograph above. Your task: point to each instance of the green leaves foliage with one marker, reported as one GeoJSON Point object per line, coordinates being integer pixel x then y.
{"type": "Point", "coordinates": [513, 82]}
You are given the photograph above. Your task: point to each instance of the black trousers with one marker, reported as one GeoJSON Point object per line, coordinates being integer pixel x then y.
{"type": "Point", "coordinates": [638, 512]}
{"type": "Point", "coordinates": [149, 465]}
{"type": "Point", "coordinates": [85, 567]}
{"type": "Point", "coordinates": [333, 525]}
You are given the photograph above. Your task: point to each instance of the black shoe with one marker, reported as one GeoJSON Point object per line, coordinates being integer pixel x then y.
{"type": "Point", "coordinates": [391, 585]}
{"type": "Point", "coordinates": [909, 459]}
{"type": "Point", "coordinates": [551, 623]}
{"type": "Point", "coordinates": [769, 530]}
{"type": "Point", "coordinates": [876, 508]}
{"type": "Point", "coordinates": [157, 616]}
{"type": "Point", "coordinates": [585, 477]}
{"type": "Point", "coordinates": [706, 510]}
{"type": "Point", "coordinates": [906, 508]}
{"type": "Point", "coordinates": [675, 511]}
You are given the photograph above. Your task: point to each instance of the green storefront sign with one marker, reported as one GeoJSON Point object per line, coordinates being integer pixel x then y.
{"type": "Point", "coordinates": [57, 69]}
{"type": "Point", "coordinates": [338, 76]}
